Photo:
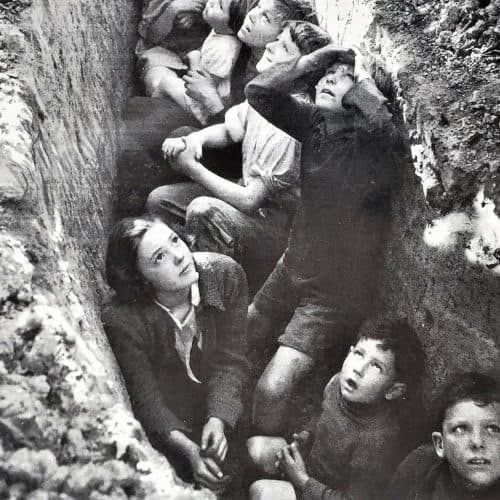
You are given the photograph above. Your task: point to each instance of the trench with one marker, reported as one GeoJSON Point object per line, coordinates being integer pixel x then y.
{"type": "Point", "coordinates": [67, 71]}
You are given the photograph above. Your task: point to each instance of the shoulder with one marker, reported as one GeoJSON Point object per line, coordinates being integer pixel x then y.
{"type": "Point", "coordinates": [219, 272]}
{"type": "Point", "coordinates": [117, 314]}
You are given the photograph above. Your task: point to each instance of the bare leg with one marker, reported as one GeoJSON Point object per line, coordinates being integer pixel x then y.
{"type": "Point", "coordinates": [272, 489]}
{"type": "Point", "coordinates": [160, 81]}
{"type": "Point", "coordinates": [276, 386]}
{"type": "Point", "coordinates": [262, 451]}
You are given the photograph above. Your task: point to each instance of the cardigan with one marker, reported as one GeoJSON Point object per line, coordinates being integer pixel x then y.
{"type": "Point", "coordinates": [142, 337]}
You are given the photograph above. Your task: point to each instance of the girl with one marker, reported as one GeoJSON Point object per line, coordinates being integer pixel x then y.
{"type": "Point", "coordinates": [177, 328]}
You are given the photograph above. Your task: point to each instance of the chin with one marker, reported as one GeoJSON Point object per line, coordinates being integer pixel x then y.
{"type": "Point", "coordinates": [262, 66]}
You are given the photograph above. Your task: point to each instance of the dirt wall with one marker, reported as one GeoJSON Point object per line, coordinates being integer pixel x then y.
{"type": "Point", "coordinates": [443, 263]}
{"type": "Point", "coordinates": [66, 430]}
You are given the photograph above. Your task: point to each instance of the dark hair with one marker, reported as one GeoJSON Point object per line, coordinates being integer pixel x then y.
{"type": "Point", "coordinates": [122, 272]}
{"type": "Point", "coordinates": [296, 10]}
{"type": "Point", "coordinates": [307, 36]}
{"type": "Point", "coordinates": [478, 387]}
{"type": "Point", "coordinates": [397, 335]}
{"type": "Point", "coordinates": [237, 14]}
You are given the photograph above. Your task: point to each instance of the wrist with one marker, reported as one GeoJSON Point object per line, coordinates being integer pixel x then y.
{"type": "Point", "coordinates": [214, 107]}
{"type": "Point", "coordinates": [301, 481]}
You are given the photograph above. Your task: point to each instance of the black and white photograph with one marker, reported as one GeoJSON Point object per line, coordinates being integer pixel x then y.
{"type": "Point", "coordinates": [250, 250]}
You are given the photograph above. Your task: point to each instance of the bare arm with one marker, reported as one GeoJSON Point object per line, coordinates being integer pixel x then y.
{"type": "Point", "coordinates": [245, 198]}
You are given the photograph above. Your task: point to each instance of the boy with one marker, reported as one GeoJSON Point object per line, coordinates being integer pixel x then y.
{"type": "Point", "coordinates": [358, 435]}
{"type": "Point", "coordinates": [464, 463]}
{"type": "Point", "coordinates": [324, 285]}
{"type": "Point", "coordinates": [236, 218]}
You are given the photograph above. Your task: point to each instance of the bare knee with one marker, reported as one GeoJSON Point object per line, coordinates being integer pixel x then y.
{"type": "Point", "coordinates": [154, 199]}
{"type": "Point", "coordinates": [272, 388]}
{"type": "Point", "coordinates": [255, 449]}
{"type": "Point", "coordinates": [258, 490]}
{"type": "Point", "coordinates": [201, 207]}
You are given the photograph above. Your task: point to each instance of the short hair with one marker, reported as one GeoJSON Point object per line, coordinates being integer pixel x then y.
{"type": "Point", "coordinates": [307, 36]}
{"type": "Point", "coordinates": [122, 271]}
{"type": "Point", "coordinates": [296, 10]}
{"type": "Point", "coordinates": [473, 386]}
{"type": "Point", "coordinates": [236, 15]}
{"type": "Point", "coordinates": [397, 335]}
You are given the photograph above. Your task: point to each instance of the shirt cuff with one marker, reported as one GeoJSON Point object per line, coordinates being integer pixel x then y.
{"type": "Point", "coordinates": [312, 490]}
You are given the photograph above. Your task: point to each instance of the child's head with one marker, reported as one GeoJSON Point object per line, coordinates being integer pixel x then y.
{"type": "Point", "coordinates": [333, 86]}
{"type": "Point", "coordinates": [469, 436]}
{"type": "Point", "coordinates": [224, 16]}
{"type": "Point", "coordinates": [264, 22]}
{"type": "Point", "coordinates": [297, 38]}
{"type": "Point", "coordinates": [386, 363]}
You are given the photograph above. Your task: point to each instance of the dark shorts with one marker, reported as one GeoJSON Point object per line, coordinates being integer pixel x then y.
{"type": "Point", "coordinates": [311, 323]}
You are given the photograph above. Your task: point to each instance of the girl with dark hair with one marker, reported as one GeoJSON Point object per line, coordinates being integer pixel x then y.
{"type": "Point", "coordinates": [177, 328]}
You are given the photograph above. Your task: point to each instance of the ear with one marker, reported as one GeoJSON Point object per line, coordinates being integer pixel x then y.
{"type": "Point", "coordinates": [437, 439]}
{"type": "Point", "coordinates": [396, 391]}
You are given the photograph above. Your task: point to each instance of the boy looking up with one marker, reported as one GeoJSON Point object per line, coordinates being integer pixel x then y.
{"type": "Point", "coordinates": [358, 437]}
{"type": "Point", "coordinates": [464, 463]}
{"type": "Point", "coordinates": [324, 285]}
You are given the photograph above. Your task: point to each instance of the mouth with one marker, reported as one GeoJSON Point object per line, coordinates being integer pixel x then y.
{"type": "Point", "coordinates": [351, 384]}
{"type": "Point", "coordinates": [186, 269]}
{"type": "Point", "coordinates": [479, 461]}
{"type": "Point", "coordinates": [328, 92]}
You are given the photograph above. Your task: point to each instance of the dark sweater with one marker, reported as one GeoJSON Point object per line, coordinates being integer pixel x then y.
{"type": "Point", "coordinates": [142, 336]}
{"type": "Point", "coordinates": [355, 451]}
{"type": "Point", "coordinates": [424, 476]}
{"type": "Point", "coordinates": [347, 168]}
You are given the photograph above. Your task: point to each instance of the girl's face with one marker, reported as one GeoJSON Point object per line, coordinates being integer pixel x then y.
{"type": "Point", "coordinates": [164, 259]}
{"type": "Point", "coordinates": [261, 25]}
{"type": "Point", "coordinates": [281, 50]}
{"type": "Point", "coordinates": [216, 15]}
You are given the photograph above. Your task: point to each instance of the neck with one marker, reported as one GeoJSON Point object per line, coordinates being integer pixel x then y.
{"type": "Point", "coordinates": [257, 53]}
{"type": "Point", "coordinates": [173, 299]}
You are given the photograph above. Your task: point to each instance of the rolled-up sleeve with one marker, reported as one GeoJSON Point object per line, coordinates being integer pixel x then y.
{"type": "Point", "coordinates": [236, 121]}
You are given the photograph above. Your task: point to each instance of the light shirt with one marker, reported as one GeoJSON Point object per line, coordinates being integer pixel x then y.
{"type": "Point", "coordinates": [186, 331]}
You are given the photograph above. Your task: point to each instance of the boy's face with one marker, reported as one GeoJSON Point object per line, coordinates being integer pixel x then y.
{"type": "Point", "coordinates": [261, 25]}
{"type": "Point", "coordinates": [282, 50]}
{"type": "Point", "coordinates": [368, 375]}
{"type": "Point", "coordinates": [470, 442]}
{"type": "Point", "coordinates": [216, 14]}
{"type": "Point", "coordinates": [331, 89]}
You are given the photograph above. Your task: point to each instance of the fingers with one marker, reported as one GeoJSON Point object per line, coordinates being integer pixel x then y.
{"type": "Point", "coordinates": [294, 451]}
{"type": "Point", "coordinates": [205, 438]}
{"type": "Point", "coordinates": [213, 468]}
{"type": "Point", "coordinates": [222, 450]}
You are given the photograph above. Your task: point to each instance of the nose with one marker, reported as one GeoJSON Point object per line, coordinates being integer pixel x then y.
{"type": "Point", "coordinates": [476, 439]}
{"type": "Point", "coordinates": [178, 256]}
{"type": "Point", "coordinates": [359, 369]}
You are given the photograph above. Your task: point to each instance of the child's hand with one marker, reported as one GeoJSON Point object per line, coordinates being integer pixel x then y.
{"type": "Point", "coordinates": [323, 58]}
{"type": "Point", "coordinates": [186, 20]}
{"type": "Point", "coordinates": [201, 87]}
{"type": "Point", "coordinates": [194, 147]}
{"type": "Point", "coordinates": [172, 147]}
{"type": "Point", "coordinates": [361, 65]}
{"type": "Point", "coordinates": [302, 439]}
{"type": "Point", "coordinates": [213, 440]}
{"type": "Point", "coordinates": [292, 464]}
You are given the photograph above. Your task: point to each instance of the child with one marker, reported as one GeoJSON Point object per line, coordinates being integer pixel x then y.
{"type": "Point", "coordinates": [358, 436]}
{"type": "Point", "coordinates": [324, 285]}
{"type": "Point", "coordinates": [241, 216]}
{"type": "Point", "coordinates": [464, 463]}
{"type": "Point", "coordinates": [217, 57]}
{"type": "Point", "coordinates": [177, 328]}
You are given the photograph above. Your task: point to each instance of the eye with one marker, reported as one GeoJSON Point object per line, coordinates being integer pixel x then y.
{"type": "Point", "coordinates": [377, 367]}
{"type": "Point", "coordinates": [493, 429]}
{"type": "Point", "coordinates": [175, 240]}
{"type": "Point", "coordinates": [459, 429]}
{"type": "Point", "coordinates": [357, 352]}
{"type": "Point", "coordinates": [267, 18]}
{"type": "Point", "coordinates": [159, 257]}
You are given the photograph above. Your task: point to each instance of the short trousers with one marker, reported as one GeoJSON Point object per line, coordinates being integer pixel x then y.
{"type": "Point", "coordinates": [312, 324]}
